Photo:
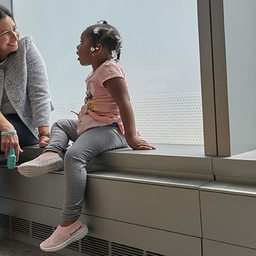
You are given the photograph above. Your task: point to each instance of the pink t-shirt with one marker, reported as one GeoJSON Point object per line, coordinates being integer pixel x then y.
{"type": "Point", "coordinates": [100, 109]}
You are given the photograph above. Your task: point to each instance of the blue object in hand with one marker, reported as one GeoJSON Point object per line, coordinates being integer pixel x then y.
{"type": "Point", "coordinates": [11, 161]}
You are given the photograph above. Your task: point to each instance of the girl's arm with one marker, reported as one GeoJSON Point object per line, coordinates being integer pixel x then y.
{"type": "Point", "coordinates": [118, 90]}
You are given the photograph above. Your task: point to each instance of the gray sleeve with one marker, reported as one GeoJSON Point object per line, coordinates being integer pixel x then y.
{"type": "Point", "coordinates": [38, 86]}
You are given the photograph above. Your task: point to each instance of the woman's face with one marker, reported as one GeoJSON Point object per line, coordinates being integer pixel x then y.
{"type": "Point", "coordinates": [9, 37]}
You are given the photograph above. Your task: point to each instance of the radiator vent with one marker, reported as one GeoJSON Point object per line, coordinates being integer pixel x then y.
{"type": "Point", "coordinates": [41, 231]}
{"type": "Point", "coordinates": [123, 250]}
{"type": "Point", "coordinates": [20, 226]}
{"type": "Point", "coordinates": [4, 221]}
{"type": "Point", "coordinates": [94, 246]}
{"type": "Point", "coordinates": [89, 245]}
{"type": "Point", "coordinates": [153, 254]}
{"type": "Point", "coordinates": [74, 246]}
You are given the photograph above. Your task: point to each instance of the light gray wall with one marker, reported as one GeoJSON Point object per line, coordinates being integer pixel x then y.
{"type": "Point", "coordinates": [229, 77]}
{"type": "Point", "coordinates": [240, 39]}
{"type": "Point", "coordinates": [7, 3]}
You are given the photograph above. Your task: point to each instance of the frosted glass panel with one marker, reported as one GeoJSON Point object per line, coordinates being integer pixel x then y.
{"type": "Point", "coordinates": [160, 57]}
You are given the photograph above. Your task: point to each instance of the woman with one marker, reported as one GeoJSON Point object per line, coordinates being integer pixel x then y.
{"type": "Point", "coordinates": [25, 104]}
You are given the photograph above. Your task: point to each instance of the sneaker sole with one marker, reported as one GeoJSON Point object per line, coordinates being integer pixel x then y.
{"type": "Point", "coordinates": [34, 171]}
{"type": "Point", "coordinates": [77, 237]}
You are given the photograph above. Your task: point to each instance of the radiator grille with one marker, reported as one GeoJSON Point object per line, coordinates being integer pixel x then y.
{"type": "Point", "coordinates": [89, 245]}
{"type": "Point", "coordinates": [94, 246]}
{"type": "Point", "coordinates": [20, 226]}
{"type": "Point", "coordinates": [153, 254]}
{"type": "Point", "coordinates": [123, 250]}
{"type": "Point", "coordinates": [74, 246]}
{"type": "Point", "coordinates": [41, 231]}
{"type": "Point", "coordinates": [4, 221]}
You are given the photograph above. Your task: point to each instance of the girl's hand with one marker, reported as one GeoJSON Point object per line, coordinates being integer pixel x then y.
{"type": "Point", "coordinates": [8, 142]}
{"type": "Point", "coordinates": [137, 143]}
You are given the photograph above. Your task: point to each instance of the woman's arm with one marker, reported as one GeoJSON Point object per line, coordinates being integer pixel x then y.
{"type": "Point", "coordinates": [38, 86]}
{"type": "Point", "coordinates": [38, 93]}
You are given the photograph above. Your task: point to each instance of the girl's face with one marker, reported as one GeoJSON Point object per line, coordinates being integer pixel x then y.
{"type": "Point", "coordinates": [84, 51]}
{"type": "Point", "coordinates": [9, 37]}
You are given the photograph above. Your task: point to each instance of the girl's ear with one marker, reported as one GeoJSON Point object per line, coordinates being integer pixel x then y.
{"type": "Point", "coordinates": [98, 47]}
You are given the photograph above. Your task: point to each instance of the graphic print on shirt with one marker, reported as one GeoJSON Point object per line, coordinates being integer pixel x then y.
{"type": "Point", "coordinates": [89, 98]}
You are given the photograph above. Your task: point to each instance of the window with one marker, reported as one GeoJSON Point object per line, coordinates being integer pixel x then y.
{"type": "Point", "coordinates": [160, 58]}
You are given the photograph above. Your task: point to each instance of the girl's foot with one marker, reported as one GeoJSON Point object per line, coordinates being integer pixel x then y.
{"type": "Point", "coordinates": [47, 162]}
{"type": "Point", "coordinates": [63, 236]}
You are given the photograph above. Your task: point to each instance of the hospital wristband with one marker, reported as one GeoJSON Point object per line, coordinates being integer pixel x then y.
{"type": "Point", "coordinates": [8, 133]}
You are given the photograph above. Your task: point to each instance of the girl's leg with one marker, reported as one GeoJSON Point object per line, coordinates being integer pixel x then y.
{"type": "Point", "coordinates": [88, 145]}
{"type": "Point", "coordinates": [62, 131]}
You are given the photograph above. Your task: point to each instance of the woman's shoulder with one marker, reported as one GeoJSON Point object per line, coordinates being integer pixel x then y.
{"type": "Point", "coordinates": [28, 47]}
{"type": "Point", "coordinates": [26, 42]}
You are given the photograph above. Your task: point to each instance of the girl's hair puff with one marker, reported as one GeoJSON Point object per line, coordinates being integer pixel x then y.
{"type": "Point", "coordinates": [107, 35]}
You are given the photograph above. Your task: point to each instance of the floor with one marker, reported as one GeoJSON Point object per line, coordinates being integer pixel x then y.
{"type": "Point", "coordinates": [14, 248]}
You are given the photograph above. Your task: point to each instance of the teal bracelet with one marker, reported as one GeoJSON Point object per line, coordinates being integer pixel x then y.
{"type": "Point", "coordinates": [9, 133]}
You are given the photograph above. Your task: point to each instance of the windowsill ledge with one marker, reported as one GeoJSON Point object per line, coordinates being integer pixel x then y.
{"type": "Point", "coordinates": [186, 161]}
{"type": "Point", "coordinates": [237, 167]}
{"type": "Point", "coordinates": [177, 160]}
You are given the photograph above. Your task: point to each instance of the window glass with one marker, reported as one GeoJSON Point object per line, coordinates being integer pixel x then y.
{"type": "Point", "coordinates": [160, 58]}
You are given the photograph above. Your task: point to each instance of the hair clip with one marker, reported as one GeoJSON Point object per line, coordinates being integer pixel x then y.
{"type": "Point", "coordinates": [118, 38]}
{"type": "Point", "coordinates": [102, 22]}
{"type": "Point", "coordinates": [96, 30]}
{"type": "Point", "coordinates": [114, 54]}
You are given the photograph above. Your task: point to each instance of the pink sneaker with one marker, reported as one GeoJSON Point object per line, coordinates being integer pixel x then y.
{"type": "Point", "coordinates": [63, 236]}
{"type": "Point", "coordinates": [47, 162]}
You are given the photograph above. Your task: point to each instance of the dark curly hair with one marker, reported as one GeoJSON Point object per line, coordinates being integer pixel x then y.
{"type": "Point", "coordinates": [106, 35]}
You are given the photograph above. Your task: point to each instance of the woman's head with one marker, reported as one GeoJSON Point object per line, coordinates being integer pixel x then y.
{"type": "Point", "coordinates": [101, 36]}
{"type": "Point", "coordinates": [9, 35]}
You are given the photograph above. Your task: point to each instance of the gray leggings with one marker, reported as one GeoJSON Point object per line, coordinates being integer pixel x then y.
{"type": "Point", "coordinates": [85, 147]}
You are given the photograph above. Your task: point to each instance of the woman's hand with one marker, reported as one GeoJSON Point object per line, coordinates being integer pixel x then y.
{"type": "Point", "coordinates": [44, 136]}
{"type": "Point", "coordinates": [135, 142]}
{"type": "Point", "coordinates": [43, 141]}
{"type": "Point", "coordinates": [8, 142]}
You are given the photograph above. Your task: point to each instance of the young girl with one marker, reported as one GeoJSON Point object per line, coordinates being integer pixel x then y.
{"type": "Point", "coordinates": [105, 122]}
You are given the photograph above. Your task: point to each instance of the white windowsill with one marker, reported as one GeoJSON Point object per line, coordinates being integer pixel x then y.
{"type": "Point", "coordinates": [186, 161]}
